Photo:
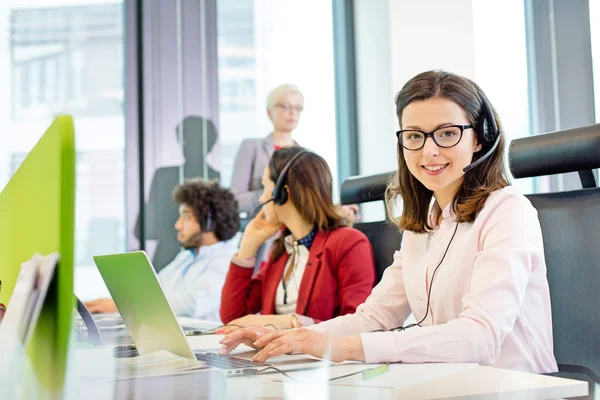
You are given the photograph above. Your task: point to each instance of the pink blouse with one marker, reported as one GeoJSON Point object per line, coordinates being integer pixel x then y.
{"type": "Point", "coordinates": [490, 302]}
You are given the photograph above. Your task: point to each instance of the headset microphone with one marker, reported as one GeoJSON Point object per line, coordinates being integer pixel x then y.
{"type": "Point", "coordinates": [488, 131]}
{"type": "Point", "coordinates": [483, 157]}
{"type": "Point", "coordinates": [257, 209]}
{"type": "Point", "coordinates": [279, 195]}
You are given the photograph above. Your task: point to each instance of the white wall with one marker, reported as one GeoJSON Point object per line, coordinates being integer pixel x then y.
{"type": "Point", "coordinates": [431, 34]}
{"type": "Point", "coordinates": [394, 41]}
{"type": "Point", "coordinates": [375, 92]}
{"type": "Point", "coordinates": [20, 4]}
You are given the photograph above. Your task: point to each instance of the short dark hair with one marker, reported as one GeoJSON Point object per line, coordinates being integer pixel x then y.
{"type": "Point", "coordinates": [478, 183]}
{"type": "Point", "coordinates": [206, 198]}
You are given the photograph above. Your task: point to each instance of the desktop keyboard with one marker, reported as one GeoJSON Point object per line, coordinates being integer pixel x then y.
{"type": "Point", "coordinates": [225, 361]}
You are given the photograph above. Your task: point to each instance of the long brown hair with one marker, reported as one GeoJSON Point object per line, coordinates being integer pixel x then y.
{"type": "Point", "coordinates": [310, 190]}
{"type": "Point", "coordinates": [477, 184]}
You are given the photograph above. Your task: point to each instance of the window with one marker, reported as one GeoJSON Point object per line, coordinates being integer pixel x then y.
{"type": "Point", "coordinates": [595, 36]}
{"type": "Point", "coordinates": [265, 43]}
{"type": "Point", "coordinates": [501, 52]}
{"type": "Point", "coordinates": [68, 59]}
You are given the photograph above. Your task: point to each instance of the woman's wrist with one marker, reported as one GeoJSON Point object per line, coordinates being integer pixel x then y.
{"type": "Point", "coordinates": [280, 321]}
{"type": "Point", "coordinates": [248, 249]}
{"type": "Point", "coordinates": [249, 262]}
{"type": "Point", "coordinates": [295, 322]}
{"type": "Point", "coordinates": [352, 348]}
{"type": "Point", "coordinates": [301, 321]}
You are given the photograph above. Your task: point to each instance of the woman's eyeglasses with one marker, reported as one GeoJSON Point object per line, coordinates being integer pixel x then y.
{"type": "Point", "coordinates": [446, 136]}
{"type": "Point", "coordinates": [289, 107]}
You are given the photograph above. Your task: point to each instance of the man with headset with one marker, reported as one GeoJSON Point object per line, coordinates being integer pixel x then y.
{"type": "Point", "coordinates": [208, 221]}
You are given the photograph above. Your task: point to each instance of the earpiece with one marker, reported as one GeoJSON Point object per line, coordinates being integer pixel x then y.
{"type": "Point", "coordinates": [488, 134]}
{"type": "Point", "coordinates": [486, 127]}
{"type": "Point", "coordinates": [207, 226]}
{"type": "Point", "coordinates": [279, 194]}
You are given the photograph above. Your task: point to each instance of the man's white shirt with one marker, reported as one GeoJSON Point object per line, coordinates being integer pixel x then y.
{"type": "Point", "coordinates": [193, 282]}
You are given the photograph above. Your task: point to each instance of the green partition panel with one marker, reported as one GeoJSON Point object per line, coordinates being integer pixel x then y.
{"type": "Point", "coordinates": [37, 213]}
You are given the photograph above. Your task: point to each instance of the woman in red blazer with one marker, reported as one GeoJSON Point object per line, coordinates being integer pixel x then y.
{"type": "Point", "coordinates": [318, 268]}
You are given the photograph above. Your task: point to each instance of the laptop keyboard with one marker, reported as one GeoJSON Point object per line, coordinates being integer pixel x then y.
{"type": "Point", "coordinates": [211, 359]}
{"type": "Point", "coordinates": [225, 361]}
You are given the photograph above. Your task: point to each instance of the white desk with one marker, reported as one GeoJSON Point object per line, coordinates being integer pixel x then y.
{"type": "Point", "coordinates": [418, 381]}
{"type": "Point", "coordinates": [414, 381]}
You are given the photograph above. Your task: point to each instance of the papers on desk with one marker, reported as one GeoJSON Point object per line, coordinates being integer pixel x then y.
{"type": "Point", "coordinates": [20, 320]}
{"type": "Point", "coordinates": [96, 375]}
{"type": "Point", "coordinates": [160, 362]}
{"type": "Point", "coordinates": [28, 297]}
{"type": "Point", "coordinates": [99, 364]}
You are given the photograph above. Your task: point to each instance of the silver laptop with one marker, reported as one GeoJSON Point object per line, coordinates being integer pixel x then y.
{"type": "Point", "coordinates": [152, 324]}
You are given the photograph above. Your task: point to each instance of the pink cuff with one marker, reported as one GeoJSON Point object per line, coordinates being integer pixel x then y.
{"type": "Point", "coordinates": [380, 347]}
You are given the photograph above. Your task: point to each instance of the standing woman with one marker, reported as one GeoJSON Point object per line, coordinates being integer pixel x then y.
{"type": "Point", "coordinates": [285, 104]}
{"type": "Point", "coordinates": [471, 267]}
{"type": "Point", "coordinates": [318, 268]}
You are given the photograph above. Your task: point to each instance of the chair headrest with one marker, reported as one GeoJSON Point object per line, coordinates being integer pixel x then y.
{"type": "Point", "coordinates": [363, 189]}
{"type": "Point", "coordinates": [569, 150]}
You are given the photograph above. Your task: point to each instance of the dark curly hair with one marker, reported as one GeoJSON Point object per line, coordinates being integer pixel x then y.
{"type": "Point", "coordinates": [212, 205]}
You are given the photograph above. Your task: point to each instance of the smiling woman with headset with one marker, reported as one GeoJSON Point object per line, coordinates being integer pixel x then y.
{"type": "Point", "coordinates": [471, 267]}
{"type": "Point", "coordinates": [318, 268]}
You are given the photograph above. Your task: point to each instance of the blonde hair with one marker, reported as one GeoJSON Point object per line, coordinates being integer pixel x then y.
{"type": "Point", "coordinates": [280, 90]}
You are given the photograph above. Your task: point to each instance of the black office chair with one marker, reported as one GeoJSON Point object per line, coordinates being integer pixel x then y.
{"type": "Point", "coordinates": [384, 237]}
{"type": "Point", "coordinates": [570, 224]}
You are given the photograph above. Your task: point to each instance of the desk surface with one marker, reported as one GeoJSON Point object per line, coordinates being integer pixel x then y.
{"type": "Point", "coordinates": [419, 381]}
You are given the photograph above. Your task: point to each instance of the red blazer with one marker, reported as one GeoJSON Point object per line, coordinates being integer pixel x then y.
{"type": "Point", "coordinates": [339, 275]}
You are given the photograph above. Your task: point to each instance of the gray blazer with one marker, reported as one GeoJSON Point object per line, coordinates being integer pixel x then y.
{"type": "Point", "coordinates": [251, 160]}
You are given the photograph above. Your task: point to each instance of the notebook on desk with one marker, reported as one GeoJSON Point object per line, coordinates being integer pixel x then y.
{"type": "Point", "coordinates": [152, 324]}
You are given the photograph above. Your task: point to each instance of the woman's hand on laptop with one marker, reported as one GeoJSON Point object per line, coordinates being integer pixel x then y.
{"type": "Point", "coordinates": [322, 345]}
{"type": "Point", "coordinates": [101, 306]}
{"type": "Point", "coordinates": [246, 336]}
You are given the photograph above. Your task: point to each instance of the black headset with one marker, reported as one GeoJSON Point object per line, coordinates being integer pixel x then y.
{"type": "Point", "coordinates": [279, 194]}
{"type": "Point", "coordinates": [208, 223]}
{"type": "Point", "coordinates": [487, 128]}
{"type": "Point", "coordinates": [488, 133]}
